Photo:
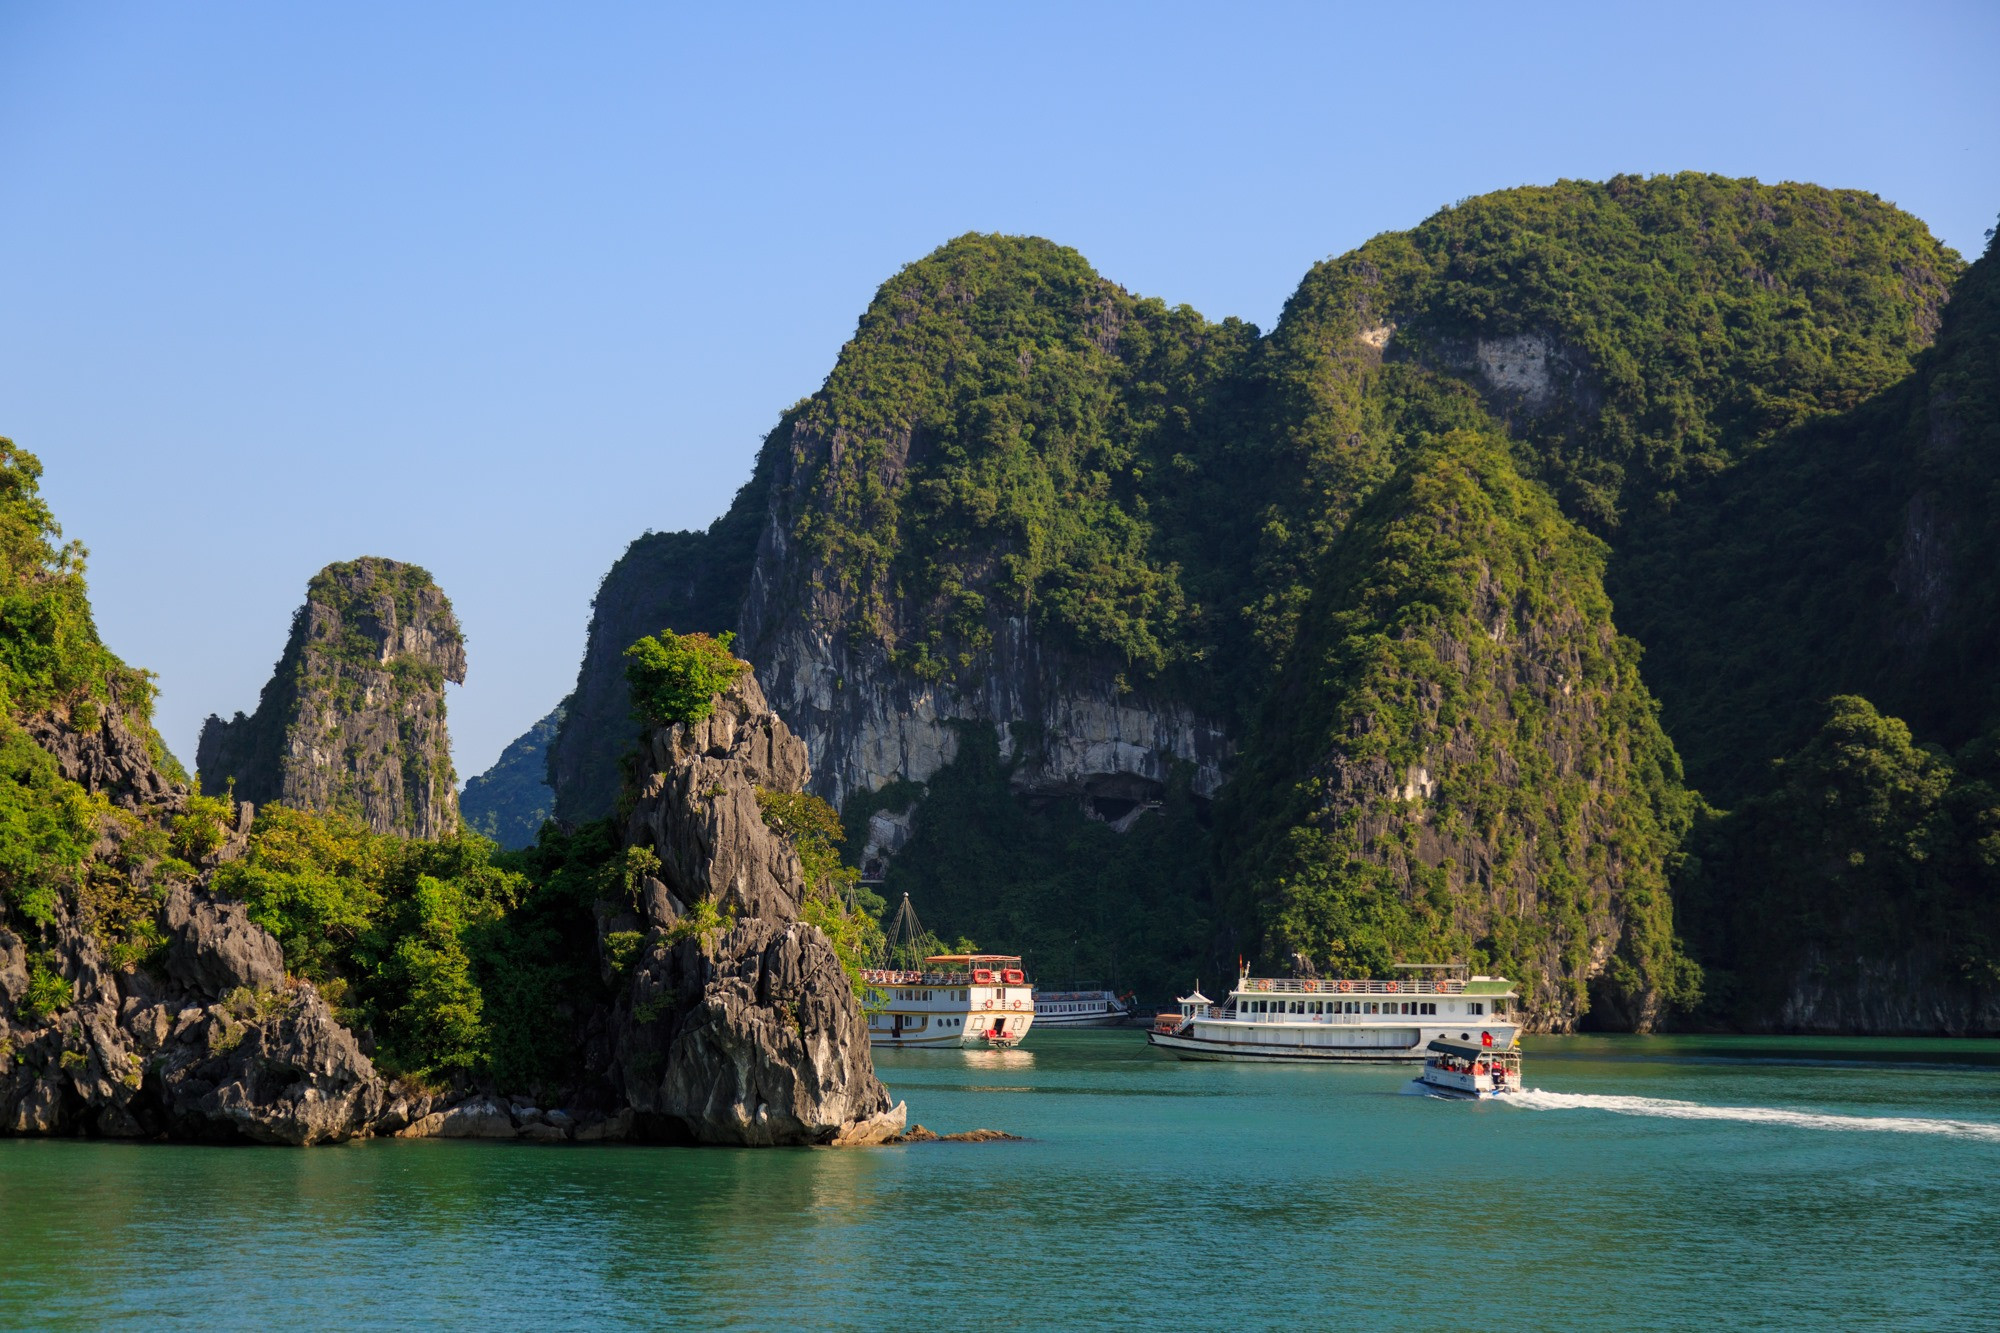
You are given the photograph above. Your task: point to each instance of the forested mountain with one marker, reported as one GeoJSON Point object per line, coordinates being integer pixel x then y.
{"type": "Point", "coordinates": [511, 801]}
{"type": "Point", "coordinates": [1115, 565]}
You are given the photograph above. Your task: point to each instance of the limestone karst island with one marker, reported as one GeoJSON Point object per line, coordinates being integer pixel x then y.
{"type": "Point", "coordinates": [562, 763]}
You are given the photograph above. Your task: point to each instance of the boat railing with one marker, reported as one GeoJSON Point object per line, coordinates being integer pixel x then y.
{"type": "Point", "coordinates": [891, 976]}
{"type": "Point", "coordinates": [1362, 1020]}
{"type": "Point", "coordinates": [1351, 986]}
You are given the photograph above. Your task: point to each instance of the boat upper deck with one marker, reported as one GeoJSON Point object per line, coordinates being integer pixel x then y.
{"type": "Point", "coordinates": [953, 969]}
{"type": "Point", "coordinates": [1477, 987]}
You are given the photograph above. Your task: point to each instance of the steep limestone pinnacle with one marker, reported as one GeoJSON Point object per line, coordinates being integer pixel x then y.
{"type": "Point", "coordinates": [353, 718]}
{"type": "Point", "coordinates": [747, 1033]}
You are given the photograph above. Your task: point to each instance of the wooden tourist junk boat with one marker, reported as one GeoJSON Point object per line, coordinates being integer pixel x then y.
{"type": "Point", "coordinates": [1345, 1018]}
{"type": "Point", "coordinates": [1470, 1071]}
{"type": "Point", "coordinates": [1082, 1008]}
{"type": "Point", "coordinates": [954, 999]}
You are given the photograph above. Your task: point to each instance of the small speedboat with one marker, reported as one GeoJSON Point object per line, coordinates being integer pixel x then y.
{"type": "Point", "coordinates": [1469, 1071]}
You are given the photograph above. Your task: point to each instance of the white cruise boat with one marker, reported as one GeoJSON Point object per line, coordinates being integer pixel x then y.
{"type": "Point", "coordinates": [1469, 1071]}
{"type": "Point", "coordinates": [954, 999]}
{"type": "Point", "coordinates": [1081, 1008]}
{"type": "Point", "coordinates": [1345, 1018]}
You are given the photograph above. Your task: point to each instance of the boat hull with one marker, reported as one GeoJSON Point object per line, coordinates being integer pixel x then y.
{"type": "Point", "coordinates": [1198, 1048]}
{"type": "Point", "coordinates": [1308, 1045]}
{"type": "Point", "coordinates": [942, 1043]}
{"type": "Point", "coordinates": [1449, 1093]}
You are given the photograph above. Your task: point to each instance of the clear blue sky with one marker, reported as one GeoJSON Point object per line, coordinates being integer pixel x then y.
{"type": "Point", "coordinates": [495, 289]}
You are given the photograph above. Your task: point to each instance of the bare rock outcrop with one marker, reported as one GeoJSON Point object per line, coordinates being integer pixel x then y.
{"type": "Point", "coordinates": [755, 1039]}
{"type": "Point", "coordinates": [216, 948]}
{"type": "Point", "coordinates": [108, 757]}
{"type": "Point", "coordinates": [354, 715]}
{"type": "Point", "coordinates": [222, 1048]}
{"type": "Point", "coordinates": [698, 809]}
{"type": "Point", "coordinates": [746, 1033]}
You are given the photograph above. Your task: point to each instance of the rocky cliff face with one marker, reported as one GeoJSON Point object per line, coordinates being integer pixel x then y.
{"type": "Point", "coordinates": [354, 716]}
{"type": "Point", "coordinates": [745, 1030]}
{"type": "Point", "coordinates": [1095, 738]}
{"type": "Point", "coordinates": [213, 1043]}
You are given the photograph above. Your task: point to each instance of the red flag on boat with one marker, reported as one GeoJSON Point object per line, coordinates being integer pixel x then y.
{"type": "Point", "coordinates": [1485, 1039]}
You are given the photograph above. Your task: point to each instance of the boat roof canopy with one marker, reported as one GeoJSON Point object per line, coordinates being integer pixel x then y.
{"type": "Point", "coordinates": [1463, 1049]}
{"type": "Point", "coordinates": [973, 958]}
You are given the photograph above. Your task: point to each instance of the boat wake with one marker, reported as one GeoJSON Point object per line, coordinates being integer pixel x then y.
{"type": "Point", "coordinates": [1536, 1100]}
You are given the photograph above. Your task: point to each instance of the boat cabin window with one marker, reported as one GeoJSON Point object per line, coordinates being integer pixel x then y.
{"type": "Point", "coordinates": [1475, 1008]}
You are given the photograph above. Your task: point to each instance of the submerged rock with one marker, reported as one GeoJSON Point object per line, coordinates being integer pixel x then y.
{"type": "Point", "coordinates": [918, 1134]}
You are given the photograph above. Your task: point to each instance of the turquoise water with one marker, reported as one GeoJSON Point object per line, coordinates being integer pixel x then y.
{"type": "Point", "coordinates": [1657, 1183]}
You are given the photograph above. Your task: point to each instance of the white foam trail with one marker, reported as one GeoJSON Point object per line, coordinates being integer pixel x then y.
{"type": "Point", "coordinates": [1536, 1100]}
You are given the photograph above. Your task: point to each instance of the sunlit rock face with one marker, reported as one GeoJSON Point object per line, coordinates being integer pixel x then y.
{"type": "Point", "coordinates": [354, 714]}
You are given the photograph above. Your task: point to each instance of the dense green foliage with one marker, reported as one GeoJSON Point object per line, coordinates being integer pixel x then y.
{"type": "Point", "coordinates": [1856, 554]}
{"type": "Point", "coordinates": [1865, 846]}
{"type": "Point", "coordinates": [382, 924]}
{"type": "Point", "coordinates": [675, 677]}
{"type": "Point", "coordinates": [510, 801]}
{"type": "Point", "coordinates": [845, 912]}
{"type": "Point", "coordinates": [1461, 730]}
{"type": "Point", "coordinates": [55, 672]}
{"type": "Point", "coordinates": [1008, 435]}
{"type": "Point", "coordinates": [1080, 902]}
{"type": "Point", "coordinates": [457, 960]}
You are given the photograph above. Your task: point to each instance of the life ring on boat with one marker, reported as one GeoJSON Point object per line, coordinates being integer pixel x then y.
{"type": "Point", "coordinates": [1346, 986]}
{"type": "Point", "coordinates": [1393, 987]}
{"type": "Point", "coordinates": [989, 1004]}
{"type": "Point", "coordinates": [1310, 988]}
{"type": "Point", "coordinates": [1263, 985]}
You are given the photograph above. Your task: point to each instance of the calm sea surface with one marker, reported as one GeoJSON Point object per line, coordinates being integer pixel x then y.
{"type": "Point", "coordinates": [1651, 1183]}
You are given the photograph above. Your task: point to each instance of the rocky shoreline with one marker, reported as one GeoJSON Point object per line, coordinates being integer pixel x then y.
{"type": "Point", "coordinates": [737, 1027]}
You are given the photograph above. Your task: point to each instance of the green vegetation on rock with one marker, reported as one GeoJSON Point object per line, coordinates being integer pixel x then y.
{"type": "Point", "coordinates": [990, 445]}
{"type": "Point", "coordinates": [674, 678]}
{"type": "Point", "coordinates": [361, 680]}
{"type": "Point", "coordinates": [67, 848]}
{"type": "Point", "coordinates": [846, 913]}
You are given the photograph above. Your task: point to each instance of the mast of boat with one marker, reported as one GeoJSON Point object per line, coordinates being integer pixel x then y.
{"type": "Point", "coordinates": [905, 932]}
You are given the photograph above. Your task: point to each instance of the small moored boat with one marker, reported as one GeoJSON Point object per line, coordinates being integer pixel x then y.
{"type": "Point", "coordinates": [1469, 1071]}
{"type": "Point", "coordinates": [1081, 1008]}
